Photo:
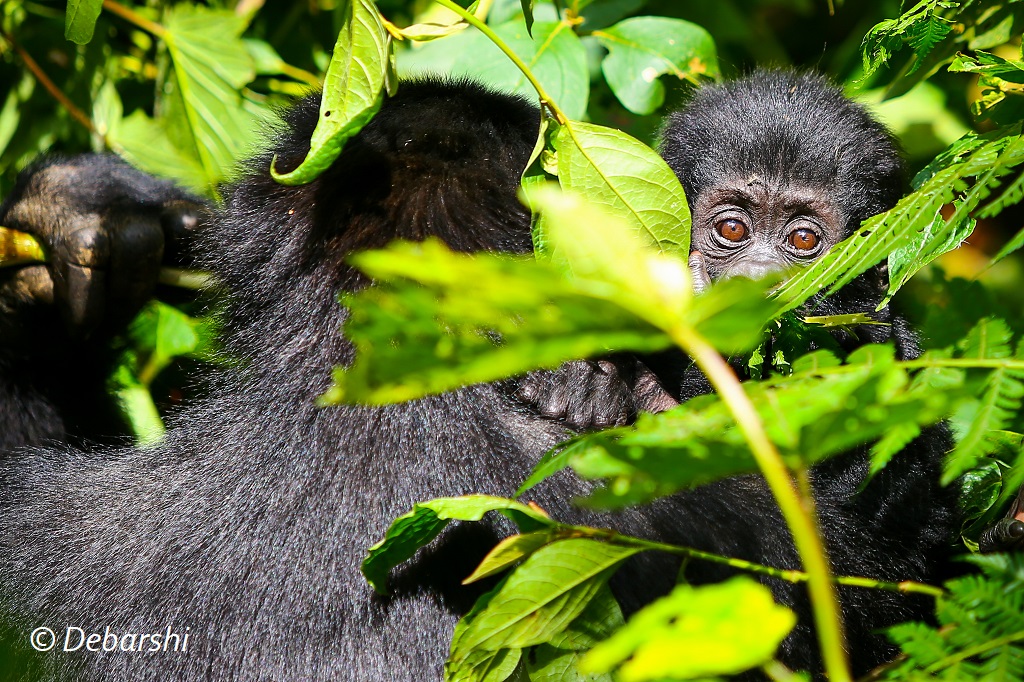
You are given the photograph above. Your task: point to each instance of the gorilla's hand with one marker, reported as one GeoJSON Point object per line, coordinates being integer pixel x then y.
{"type": "Point", "coordinates": [105, 228]}
{"type": "Point", "coordinates": [593, 394]}
{"type": "Point", "coordinates": [1008, 533]}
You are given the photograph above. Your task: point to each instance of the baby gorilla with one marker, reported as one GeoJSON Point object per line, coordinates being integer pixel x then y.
{"type": "Point", "coordinates": [246, 526]}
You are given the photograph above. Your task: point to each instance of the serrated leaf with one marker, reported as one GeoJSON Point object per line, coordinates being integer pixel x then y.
{"type": "Point", "coordinates": [1000, 401]}
{"type": "Point", "coordinates": [696, 633]}
{"type": "Point", "coordinates": [643, 48]}
{"type": "Point", "coordinates": [80, 20]}
{"type": "Point", "coordinates": [353, 90]}
{"type": "Point", "coordinates": [430, 325]}
{"type": "Point", "coordinates": [626, 178]}
{"type": "Point", "coordinates": [543, 596]}
{"type": "Point", "coordinates": [913, 233]}
{"type": "Point", "coordinates": [980, 629]}
{"type": "Point", "coordinates": [924, 35]}
{"type": "Point", "coordinates": [426, 520]}
{"type": "Point", "coordinates": [808, 416]}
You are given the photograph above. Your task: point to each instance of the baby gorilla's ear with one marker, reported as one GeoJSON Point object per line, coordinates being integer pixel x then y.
{"type": "Point", "coordinates": [105, 229]}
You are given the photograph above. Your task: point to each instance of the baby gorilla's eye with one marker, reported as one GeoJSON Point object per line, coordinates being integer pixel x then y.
{"type": "Point", "coordinates": [731, 229]}
{"type": "Point", "coordinates": [803, 239]}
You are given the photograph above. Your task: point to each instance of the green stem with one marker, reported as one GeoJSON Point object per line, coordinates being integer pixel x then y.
{"type": "Point", "coordinates": [186, 279]}
{"type": "Point", "coordinates": [134, 17]}
{"type": "Point", "coordinates": [545, 99]}
{"type": "Point", "coordinates": [797, 510]}
{"type": "Point", "coordinates": [788, 575]}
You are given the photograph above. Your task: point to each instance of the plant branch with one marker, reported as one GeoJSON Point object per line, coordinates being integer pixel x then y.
{"type": "Point", "coordinates": [135, 18]}
{"type": "Point", "coordinates": [545, 99]}
{"type": "Point", "coordinates": [788, 575]}
{"type": "Point", "coordinates": [55, 92]}
{"type": "Point", "coordinates": [797, 510]}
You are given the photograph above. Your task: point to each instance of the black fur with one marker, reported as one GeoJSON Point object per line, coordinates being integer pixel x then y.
{"type": "Point", "coordinates": [247, 525]}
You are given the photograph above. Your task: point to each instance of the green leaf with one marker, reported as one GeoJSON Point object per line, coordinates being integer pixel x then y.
{"type": "Point", "coordinates": [555, 55]}
{"type": "Point", "coordinates": [558, 660]}
{"type": "Point", "coordinates": [144, 143]}
{"type": "Point", "coordinates": [137, 406]}
{"type": "Point", "coordinates": [809, 416]}
{"type": "Point", "coordinates": [924, 35]}
{"type": "Point", "coordinates": [430, 324]}
{"type": "Point", "coordinates": [435, 319]}
{"type": "Point", "coordinates": [1001, 81]}
{"type": "Point", "coordinates": [643, 48]}
{"type": "Point", "coordinates": [628, 179]}
{"type": "Point", "coordinates": [80, 20]}
{"type": "Point", "coordinates": [696, 633]}
{"type": "Point", "coordinates": [484, 666]}
{"type": "Point", "coordinates": [205, 117]}
{"type": "Point", "coordinates": [353, 90]}
{"type": "Point", "coordinates": [913, 233]}
{"type": "Point", "coordinates": [1000, 401]}
{"type": "Point", "coordinates": [980, 629]}
{"type": "Point", "coordinates": [528, 14]}
{"type": "Point", "coordinates": [543, 596]}
{"type": "Point", "coordinates": [418, 527]}
{"type": "Point", "coordinates": [509, 552]}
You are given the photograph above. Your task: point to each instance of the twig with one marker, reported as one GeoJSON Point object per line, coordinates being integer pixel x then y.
{"type": "Point", "coordinates": [51, 87]}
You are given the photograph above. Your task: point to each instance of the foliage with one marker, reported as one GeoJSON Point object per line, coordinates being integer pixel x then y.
{"type": "Point", "coordinates": [180, 88]}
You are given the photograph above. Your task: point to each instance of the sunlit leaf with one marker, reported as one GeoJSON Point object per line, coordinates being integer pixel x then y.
{"type": "Point", "coordinates": [643, 48]}
{"type": "Point", "coordinates": [353, 90]}
{"type": "Point", "coordinates": [626, 178]}
{"type": "Point", "coordinates": [696, 633]}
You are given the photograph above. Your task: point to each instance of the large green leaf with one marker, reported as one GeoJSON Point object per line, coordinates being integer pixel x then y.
{"type": "Point", "coordinates": [432, 323]}
{"type": "Point", "coordinates": [696, 633]}
{"type": "Point", "coordinates": [353, 89]}
{"type": "Point", "coordinates": [643, 48]}
{"type": "Point", "coordinates": [145, 143]}
{"type": "Point", "coordinates": [626, 178]}
{"type": "Point", "coordinates": [543, 596]}
{"type": "Point", "coordinates": [204, 115]}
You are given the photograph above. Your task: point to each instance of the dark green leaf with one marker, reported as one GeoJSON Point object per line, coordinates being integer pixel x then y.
{"type": "Point", "coordinates": [417, 528]}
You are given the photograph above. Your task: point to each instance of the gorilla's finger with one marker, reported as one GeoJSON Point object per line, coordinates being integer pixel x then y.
{"type": "Point", "coordinates": [699, 272]}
